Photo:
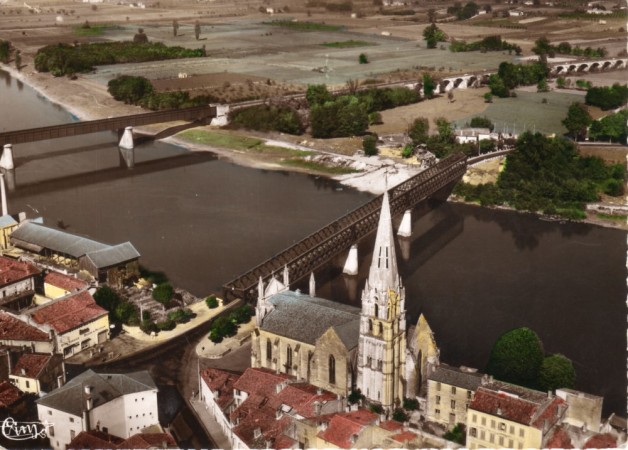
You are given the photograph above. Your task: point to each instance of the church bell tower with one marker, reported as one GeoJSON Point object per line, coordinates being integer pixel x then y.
{"type": "Point", "coordinates": [382, 341]}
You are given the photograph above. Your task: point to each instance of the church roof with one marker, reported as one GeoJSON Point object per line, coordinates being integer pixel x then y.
{"type": "Point", "coordinates": [305, 319]}
{"type": "Point", "coordinates": [454, 376]}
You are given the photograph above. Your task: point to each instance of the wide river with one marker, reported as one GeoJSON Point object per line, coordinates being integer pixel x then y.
{"type": "Point", "coordinates": [474, 273]}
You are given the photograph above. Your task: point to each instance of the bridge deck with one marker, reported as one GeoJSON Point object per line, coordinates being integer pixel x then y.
{"type": "Point", "coordinates": [112, 124]}
{"type": "Point", "coordinates": [319, 247]}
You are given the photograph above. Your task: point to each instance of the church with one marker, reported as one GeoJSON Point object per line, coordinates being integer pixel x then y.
{"type": "Point", "coordinates": [343, 348]}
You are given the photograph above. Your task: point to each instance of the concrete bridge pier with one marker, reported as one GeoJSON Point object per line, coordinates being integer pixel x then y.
{"type": "Point", "coordinates": [351, 265]}
{"type": "Point", "coordinates": [127, 138]}
{"type": "Point", "coordinates": [9, 178]}
{"type": "Point", "coordinates": [3, 196]}
{"type": "Point", "coordinates": [6, 160]}
{"type": "Point", "coordinates": [405, 227]}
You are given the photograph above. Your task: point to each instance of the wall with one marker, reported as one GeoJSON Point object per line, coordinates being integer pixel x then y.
{"type": "Point", "coordinates": [440, 396]}
{"type": "Point", "coordinates": [54, 292]}
{"type": "Point", "coordinates": [25, 384]}
{"type": "Point", "coordinates": [279, 349]}
{"type": "Point", "coordinates": [210, 404]}
{"type": "Point", "coordinates": [494, 432]}
{"type": "Point", "coordinates": [73, 340]}
{"type": "Point", "coordinates": [64, 426]}
{"type": "Point", "coordinates": [330, 344]}
{"type": "Point", "coordinates": [18, 287]}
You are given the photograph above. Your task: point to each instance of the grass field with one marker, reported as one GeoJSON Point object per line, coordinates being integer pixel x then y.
{"type": "Point", "coordinates": [347, 44]}
{"type": "Point", "coordinates": [528, 112]}
{"type": "Point", "coordinates": [304, 26]}
{"type": "Point", "coordinates": [94, 30]}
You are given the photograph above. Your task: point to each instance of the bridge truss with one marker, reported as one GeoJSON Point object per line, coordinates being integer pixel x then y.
{"type": "Point", "coordinates": [321, 246]}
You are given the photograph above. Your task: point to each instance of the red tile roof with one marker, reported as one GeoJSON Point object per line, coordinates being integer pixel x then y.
{"type": "Point", "coordinates": [390, 425]}
{"type": "Point", "coordinates": [261, 381]}
{"type": "Point", "coordinates": [601, 441]}
{"type": "Point", "coordinates": [12, 271]}
{"type": "Point", "coordinates": [520, 410]}
{"type": "Point", "coordinates": [221, 382]}
{"type": "Point", "coordinates": [405, 436]}
{"type": "Point", "coordinates": [70, 312]}
{"type": "Point", "coordinates": [560, 439]}
{"type": "Point", "coordinates": [94, 440]}
{"type": "Point", "coordinates": [31, 363]}
{"type": "Point", "coordinates": [65, 282]}
{"type": "Point", "coordinates": [9, 394]}
{"type": "Point", "coordinates": [149, 440]}
{"type": "Point", "coordinates": [97, 439]}
{"type": "Point", "coordinates": [343, 426]}
{"type": "Point", "coordinates": [12, 328]}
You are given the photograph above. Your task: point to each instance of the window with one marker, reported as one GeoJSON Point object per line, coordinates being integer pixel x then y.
{"type": "Point", "coordinates": [469, 394]}
{"type": "Point", "coordinates": [512, 431]}
{"type": "Point", "coordinates": [492, 423]}
{"type": "Point", "coordinates": [72, 434]}
{"type": "Point", "coordinates": [288, 358]}
{"type": "Point", "coordinates": [510, 443]}
{"type": "Point", "coordinates": [438, 399]}
{"type": "Point", "coordinates": [332, 369]}
{"type": "Point", "coordinates": [438, 386]}
{"type": "Point", "coordinates": [84, 331]}
{"type": "Point", "coordinates": [484, 421]}
{"type": "Point", "coordinates": [521, 432]}
{"type": "Point", "coordinates": [491, 437]}
{"type": "Point", "coordinates": [473, 431]}
{"type": "Point", "coordinates": [269, 350]}
{"type": "Point", "coordinates": [437, 412]}
{"type": "Point", "coordinates": [474, 418]}
{"type": "Point", "coordinates": [519, 445]}
{"type": "Point", "coordinates": [105, 429]}
{"type": "Point", "coordinates": [72, 419]}
{"type": "Point", "coordinates": [453, 390]}
{"type": "Point", "coordinates": [370, 326]}
{"type": "Point", "coordinates": [501, 426]}
{"type": "Point", "coordinates": [501, 440]}
{"type": "Point", "coordinates": [50, 412]}
{"type": "Point", "coordinates": [453, 404]}
{"type": "Point", "coordinates": [376, 310]}
{"type": "Point", "coordinates": [28, 384]}
{"type": "Point", "coordinates": [379, 364]}
{"type": "Point", "coordinates": [51, 431]}
{"type": "Point", "coordinates": [381, 329]}
{"type": "Point", "coordinates": [482, 435]}
{"type": "Point", "coordinates": [369, 360]}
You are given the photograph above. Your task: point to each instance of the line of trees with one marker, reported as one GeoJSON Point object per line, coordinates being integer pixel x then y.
{"type": "Point", "coordinates": [488, 44]}
{"type": "Point", "coordinates": [65, 59]}
{"type": "Point", "coordinates": [610, 128]}
{"type": "Point", "coordinates": [461, 12]}
{"type": "Point", "coordinates": [280, 118]}
{"type": "Point", "coordinates": [607, 97]}
{"type": "Point", "coordinates": [544, 48]}
{"type": "Point", "coordinates": [509, 76]}
{"type": "Point", "coordinates": [547, 175]}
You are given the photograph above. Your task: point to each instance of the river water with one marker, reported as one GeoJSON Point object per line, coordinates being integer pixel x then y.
{"type": "Point", "coordinates": [474, 273]}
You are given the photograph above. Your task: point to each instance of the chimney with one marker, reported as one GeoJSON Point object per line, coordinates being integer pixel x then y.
{"type": "Point", "coordinates": [317, 408]}
{"type": "Point", "coordinates": [312, 285]}
{"type": "Point", "coordinates": [549, 393]}
{"type": "Point", "coordinates": [23, 370]}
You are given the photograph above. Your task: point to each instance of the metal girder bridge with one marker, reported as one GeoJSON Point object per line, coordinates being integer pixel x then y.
{"type": "Point", "coordinates": [321, 246]}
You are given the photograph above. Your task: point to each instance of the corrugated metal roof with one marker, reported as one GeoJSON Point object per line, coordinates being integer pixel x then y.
{"type": "Point", "coordinates": [56, 240]}
{"type": "Point", "coordinates": [112, 256]}
{"type": "Point", "coordinates": [305, 318]}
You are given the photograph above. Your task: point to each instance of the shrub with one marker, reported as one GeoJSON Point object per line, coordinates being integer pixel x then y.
{"type": "Point", "coordinates": [211, 302]}
{"type": "Point", "coordinates": [355, 396]}
{"type": "Point", "coordinates": [241, 314]}
{"type": "Point", "coordinates": [377, 409]}
{"type": "Point", "coordinates": [107, 298]}
{"type": "Point", "coordinates": [375, 118]}
{"type": "Point", "coordinates": [399, 415]}
{"type": "Point", "coordinates": [369, 144]}
{"type": "Point", "coordinates": [410, 404]}
{"type": "Point", "coordinates": [481, 122]}
{"type": "Point", "coordinates": [129, 89]}
{"type": "Point", "coordinates": [221, 327]}
{"type": "Point", "coordinates": [163, 293]}
{"type": "Point", "coordinates": [557, 372]}
{"type": "Point", "coordinates": [363, 59]}
{"type": "Point", "coordinates": [488, 97]}
{"type": "Point", "coordinates": [407, 151]}
{"type": "Point", "coordinates": [607, 97]}
{"type": "Point", "coordinates": [148, 326]}
{"type": "Point", "coordinates": [457, 434]}
{"type": "Point", "coordinates": [166, 325]}
{"type": "Point", "coordinates": [419, 130]}
{"type": "Point", "coordinates": [125, 312]}
{"type": "Point", "coordinates": [181, 315]}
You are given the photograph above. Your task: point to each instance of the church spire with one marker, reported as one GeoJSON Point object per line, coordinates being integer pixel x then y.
{"type": "Point", "coordinates": [383, 273]}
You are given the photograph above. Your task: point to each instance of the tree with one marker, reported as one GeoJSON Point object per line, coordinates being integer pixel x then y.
{"type": "Point", "coordinates": [140, 36]}
{"type": "Point", "coordinates": [543, 48]}
{"type": "Point", "coordinates": [399, 415]}
{"type": "Point", "coordinates": [481, 122]}
{"type": "Point", "coordinates": [428, 85]}
{"type": "Point", "coordinates": [516, 357]}
{"type": "Point", "coordinates": [419, 130]}
{"type": "Point", "coordinates": [450, 96]}
{"type": "Point", "coordinates": [125, 312]}
{"type": "Point", "coordinates": [363, 59]}
{"type": "Point", "coordinates": [18, 60]}
{"type": "Point", "coordinates": [488, 97]}
{"type": "Point", "coordinates": [445, 132]}
{"type": "Point", "coordinates": [197, 30]}
{"type": "Point", "coordinates": [175, 27]}
{"type": "Point", "coordinates": [577, 121]}
{"type": "Point", "coordinates": [433, 35]}
{"type": "Point", "coordinates": [107, 298]}
{"type": "Point", "coordinates": [5, 51]}
{"type": "Point", "coordinates": [211, 302]}
{"type": "Point", "coordinates": [317, 94]}
{"type": "Point", "coordinates": [457, 434]}
{"type": "Point", "coordinates": [556, 372]}
{"type": "Point", "coordinates": [369, 144]}
{"type": "Point", "coordinates": [163, 293]}
{"type": "Point", "coordinates": [542, 86]}
{"type": "Point", "coordinates": [221, 327]}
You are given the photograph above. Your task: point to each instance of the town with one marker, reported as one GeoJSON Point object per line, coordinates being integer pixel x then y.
{"type": "Point", "coordinates": [286, 200]}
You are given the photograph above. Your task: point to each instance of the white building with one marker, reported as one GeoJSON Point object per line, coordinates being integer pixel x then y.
{"type": "Point", "coordinates": [474, 135]}
{"type": "Point", "coordinates": [118, 404]}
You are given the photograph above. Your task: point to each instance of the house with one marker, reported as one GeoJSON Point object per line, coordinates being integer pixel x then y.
{"type": "Point", "coordinates": [516, 13]}
{"type": "Point", "coordinates": [107, 264]}
{"type": "Point", "coordinates": [506, 415]}
{"type": "Point", "coordinates": [119, 404]}
{"type": "Point", "coordinates": [18, 281]}
{"type": "Point", "coordinates": [58, 285]}
{"type": "Point", "coordinates": [473, 135]}
{"type": "Point", "coordinates": [20, 331]}
{"type": "Point", "coordinates": [12, 401]}
{"type": "Point", "coordinates": [95, 439]}
{"type": "Point", "coordinates": [450, 391]}
{"type": "Point", "coordinates": [260, 406]}
{"type": "Point", "coordinates": [38, 373]}
{"type": "Point", "coordinates": [76, 321]}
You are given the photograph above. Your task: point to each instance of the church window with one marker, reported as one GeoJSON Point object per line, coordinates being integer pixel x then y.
{"type": "Point", "coordinates": [381, 329]}
{"type": "Point", "coordinates": [269, 350]}
{"type": "Point", "coordinates": [368, 361]}
{"type": "Point", "coordinates": [370, 326]}
{"type": "Point", "coordinates": [379, 364]}
{"type": "Point", "coordinates": [376, 311]}
{"type": "Point", "coordinates": [288, 358]}
{"type": "Point", "coordinates": [332, 369]}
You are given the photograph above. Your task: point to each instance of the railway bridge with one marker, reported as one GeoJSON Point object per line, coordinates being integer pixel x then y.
{"type": "Point", "coordinates": [122, 124]}
{"type": "Point", "coordinates": [321, 246]}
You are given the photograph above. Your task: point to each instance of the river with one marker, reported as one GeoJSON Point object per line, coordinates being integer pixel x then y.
{"type": "Point", "coordinates": [474, 273]}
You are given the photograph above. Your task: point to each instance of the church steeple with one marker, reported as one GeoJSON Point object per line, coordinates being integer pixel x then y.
{"type": "Point", "coordinates": [383, 273]}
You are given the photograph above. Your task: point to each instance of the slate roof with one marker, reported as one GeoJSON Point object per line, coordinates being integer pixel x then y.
{"type": "Point", "coordinates": [114, 255]}
{"type": "Point", "coordinates": [64, 281]}
{"type": "Point", "coordinates": [305, 319]}
{"type": "Point", "coordinates": [32, 363]}
{"type": "Point", "coordinates": [12, 271]}
{"type": "Point", "coordinates": [9, 394]}
{"type": "Point", "coordinates": [56, 240]}
{"type": "Point", "coordinates": [11, 328]}
{"type": "Point", "coordinates": [69, 312]}
{"type": "Point", "coordinates": [105, 387]}
{"type": "Point", "coordinates": [454, 376]}
{"type": "Point", "coordinates": [7, 221]}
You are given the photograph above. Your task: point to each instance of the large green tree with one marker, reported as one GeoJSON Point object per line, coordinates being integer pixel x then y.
{"type": "Point", "coordinates": [516, 357]}
{"type": "Point", "coordinates": [577, 121]}
{"type": "Point", "coordinates": [433, 35]}
{"type": "Point", "coordinates": [556, 372]}
{"type": "Point", "coordinates": [419, 130]}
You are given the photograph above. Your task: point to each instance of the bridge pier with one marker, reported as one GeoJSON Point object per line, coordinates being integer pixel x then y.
{"type": "Point", "coordinates": [405, 227]}
{"type": "Point", "coordinates": [6, 160]}
{"type": "Point", "coordinates": [351, 265]}
{"type": "Point", "coordinates": [3, 195]}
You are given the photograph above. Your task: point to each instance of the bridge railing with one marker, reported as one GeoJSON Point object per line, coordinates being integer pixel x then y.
{"type": "Point", "coordinates": [317, 248]}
